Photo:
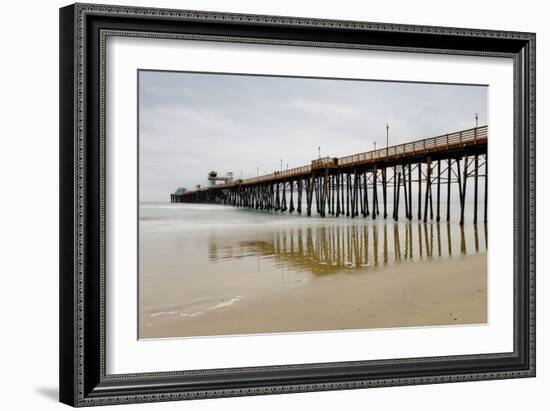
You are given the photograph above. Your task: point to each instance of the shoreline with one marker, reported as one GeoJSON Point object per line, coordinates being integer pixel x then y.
{"type": "Point", "coordinates": [426, 293]}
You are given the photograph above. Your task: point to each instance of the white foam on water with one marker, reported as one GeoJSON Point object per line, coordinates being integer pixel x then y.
{"type": "Point", "coordinates": [226, 303]}
{"type": "Point", "coordinates": [163, 313]}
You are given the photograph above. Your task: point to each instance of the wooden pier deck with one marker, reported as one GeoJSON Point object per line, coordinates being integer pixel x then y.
{"type": "Point", "coordinates": [341, 186]}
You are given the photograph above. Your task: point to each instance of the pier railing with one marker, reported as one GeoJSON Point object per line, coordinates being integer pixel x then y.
{"type": "Point", "coordinates": [449, 141]}
{"type": "Point", "coordinates": [290, 172]}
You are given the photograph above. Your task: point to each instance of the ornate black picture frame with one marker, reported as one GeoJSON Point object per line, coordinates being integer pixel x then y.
{"type": "Point", "coordinates": [83, 30]}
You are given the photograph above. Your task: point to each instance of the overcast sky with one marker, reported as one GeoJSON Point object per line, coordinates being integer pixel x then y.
{"type": "Point", "coordinates": [191, 124]}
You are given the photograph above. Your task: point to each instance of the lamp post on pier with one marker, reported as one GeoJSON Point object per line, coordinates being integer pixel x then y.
{"type": "Point", "coordinates": [387, 136]}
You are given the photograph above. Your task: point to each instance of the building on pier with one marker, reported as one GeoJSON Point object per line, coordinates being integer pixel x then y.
{"type": "Point", "coordinates": [213, 178]}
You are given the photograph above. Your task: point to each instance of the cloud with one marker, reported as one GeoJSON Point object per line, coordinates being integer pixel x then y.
{"type": "Point", "coordinates": [324, 109]}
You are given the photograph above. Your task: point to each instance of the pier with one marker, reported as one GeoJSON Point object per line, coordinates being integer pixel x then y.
{"type": "Point", "coordinates": [360, 185]}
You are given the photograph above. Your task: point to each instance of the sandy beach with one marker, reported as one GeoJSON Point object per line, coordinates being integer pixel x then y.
{"type": "Point", "coordinates": [426, 293]}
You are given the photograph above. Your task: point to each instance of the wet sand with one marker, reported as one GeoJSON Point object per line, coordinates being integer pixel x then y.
{"type": "Point", "coordinates": [425, 293]}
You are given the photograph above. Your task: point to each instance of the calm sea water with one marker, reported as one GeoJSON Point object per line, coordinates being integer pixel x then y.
{"type": "Point", "coordinates": [198, 257]}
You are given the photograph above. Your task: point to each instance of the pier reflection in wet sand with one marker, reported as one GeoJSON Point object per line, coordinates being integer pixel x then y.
{"type": "Point", "coordinates": [328, 249]}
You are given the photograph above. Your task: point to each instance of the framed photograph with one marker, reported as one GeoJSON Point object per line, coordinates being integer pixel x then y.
{"type": "Point", "coordinates": [262, 204]}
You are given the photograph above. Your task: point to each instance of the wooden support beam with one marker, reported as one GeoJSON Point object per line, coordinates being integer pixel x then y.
{"type": "Point", "coordinates": [396, 212]}
{"type": "Point", "coordinates": [354, 207]}
{"type": "Point", "coordinates": [261, 196]}
{"type": "Point", "coordinates": [463, 205]}
{"type": "Point", "coordinates": [332, 194]}
{"type": "Point", "coordinates": [438, 217]}
{"type": "Point", "coordinates": [359, 207]}
{"type": "Point", "coordinates": [384, 189]}
{"type": "Point", "coordinates": [394, 191]}
{"type": "Point", "coordinates": [324, 199]}
{"type": "Point", "coordinates": [320, 199]}
{"type": "Point", "coordinates": [419, 191]}
{"type": "Point", "coordinates": [319, 193]}
{"type": "Point", "coordinates": [337, 194]}
{"type": "Point", "coordinates": [260, 193]}
{"type": "Point", "coordinates": [428, 187]}
{"type": "Point", "coordinates": [374, 194]}
{"type": "Point", "coordinates": [318, 187]}
{"type": "Point", "coordinates": [361, 197]}
{"type": "Point", "coordinates": [327, 195]}
{"type": "Point", "coordinates": [348, 188]}
{"type": "Point", "coordinates": [410, 192]}
{"type": "Point", "coordinates": [343, 193]}
{"type": "Point", "coordinates": [431, 202]}
{"type": "Point", "coordinates": [405, 193]}
{"type": "Point", "coordinates": [377, 205]}
{"type": "Point", "coordinates": [308, 195]}
{"type": "Point", "coordinates": [277, 198]}
{"type": "Point", "coordinates": [476, 166]}
{"type": "Point", "coordinates": [300, 189]}
{"type": "Point", "coordinates": [366, 193]}
{"type": "Point", "coordinates": [283, 208]}
{"type": "Point", "coordinates": [449, 169]}
{"type": "Point", "coordinates": [459, 179]}
{"type": "Point", "coordinates": [291, 208]}
{"type": "Point", "coordinates": [352, 194]}
{"type": "Point", "coordinates": [355, 194]}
